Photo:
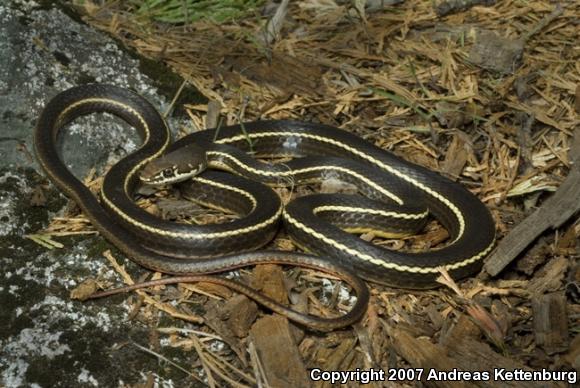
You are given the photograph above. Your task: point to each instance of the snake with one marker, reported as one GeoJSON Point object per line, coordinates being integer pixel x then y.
{"type": "Point", "coordinates": [397, 198]}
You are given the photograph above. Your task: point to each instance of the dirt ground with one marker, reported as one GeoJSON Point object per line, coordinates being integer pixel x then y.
{"type": "Point", "coordinates": [487, 93]}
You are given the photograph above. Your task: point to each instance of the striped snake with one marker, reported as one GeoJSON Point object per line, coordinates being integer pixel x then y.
{"type": "Point", "coordinates": [397, 197]}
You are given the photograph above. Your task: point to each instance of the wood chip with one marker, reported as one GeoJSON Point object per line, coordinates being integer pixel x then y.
{"type": "Point", "coordinates": [496, 53]}
{"type": "Point", "coordinates": [464, 328]}
{"type": "Point", "coordinates": [278, 353]}
{"type": "Point", "coordinates": [240, 313]}
{"type": "Point", "coordinates": [551, 322]}
{"type": "Point", "coordinates": [462, 354]}
{"type": "Point", "coordinates": [572, 357]}
{"type": "Point", "coordinates": [84, 290]}
{"type": "Point", "coordinates": [232, 320]}
{"type": "Point", "coordinates": [269, 279]}
{"type": "Point", "coordinates": [551, 277]}
{"type": "Point", "coordinates": [455, 158]}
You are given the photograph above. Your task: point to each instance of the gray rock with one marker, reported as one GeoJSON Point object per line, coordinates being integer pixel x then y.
{"type": "Point", "coordinates": [47, 339]}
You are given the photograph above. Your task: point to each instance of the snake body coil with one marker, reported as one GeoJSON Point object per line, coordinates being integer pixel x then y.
{"type": "Point", "coordinates": [176, 249]}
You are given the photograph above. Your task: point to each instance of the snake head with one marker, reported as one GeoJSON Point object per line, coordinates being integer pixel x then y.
{"type": "Point", "coordinates": [174, 167]}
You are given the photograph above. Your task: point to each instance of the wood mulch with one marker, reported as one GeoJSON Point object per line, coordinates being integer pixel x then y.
{"type": "Point", "coordinates": [485, 92]}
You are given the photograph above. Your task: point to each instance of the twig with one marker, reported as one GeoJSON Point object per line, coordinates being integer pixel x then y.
{"type": "Point", "coordinates": [174, 100]}
{"type": "Point", "coordinates": [543, 23]}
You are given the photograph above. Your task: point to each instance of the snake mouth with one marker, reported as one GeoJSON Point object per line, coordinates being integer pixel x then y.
{"type": "Point", "coordinates": [169, 176]}
{"type": "Point", "coordinates": [175, 166]}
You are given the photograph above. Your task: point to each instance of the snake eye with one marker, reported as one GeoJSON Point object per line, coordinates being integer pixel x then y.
{"type": "Point", "coordinates": [167, 173]}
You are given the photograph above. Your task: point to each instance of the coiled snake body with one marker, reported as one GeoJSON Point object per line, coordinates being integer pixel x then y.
{"type": "Point", "coordinates": [399, 196]}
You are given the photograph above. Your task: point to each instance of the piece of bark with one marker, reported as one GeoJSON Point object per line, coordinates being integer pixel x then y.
{"type": "Point", "coordinates": [496, 53]}
{"type": "Point", "coordinates": [464, 328]}
{"type": "Point", "coordinates": [504, 55]}
{"type": "Point", "coordinates": [232, 321]}
{"type": "Point", "coordinates": [552, 214]}
{"type": "Point", "coordinates": [463, 354]}
{"type": "Point", "coordinates": [572, 357]}
{"type": "Point", "coordinates": [473, 355]}
{"type": "Point", "coordinates": [269, 279]}
{"type": "Point", "coordinates": [212, 117]}
{"type": "Point", "coordinates": [551, 322]}
{"type": "Point", "coordinates": [336, 358]}
{"type": "Point", "coordinates": [421, 353]}
{"type": "Point", "coordinates": [569, 242]}
{"type": "Point", "coordinates": [524, 139]}
{"type": "Point", "coordinates": [278, 353]}
{"type": "Point", "coordinates": [435, 316]}
{"type": "Point", "coordinates": [537, 255]}
{"type": "Point", "coordinates": [502, 317]}
{"type": "Point", "coordinates": [366, 345]}
{"type": "Point", "coordinates": [455, 6]}
{"type": "Point", "coordinates": [455, 158]}
{"type": "Point", "coordinates": [550, 278]}
{"type": "Point", "coordinates": [240, 313]}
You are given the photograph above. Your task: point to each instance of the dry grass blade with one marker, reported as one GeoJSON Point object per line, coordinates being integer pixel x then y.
{"type": "Point", "coordinates": [257, 366]}
{"type": "Point", "coordinates": [488, 324]}
{"type": "Point", "coordinates": [171, 330]}
{"type": "Point", "coordinates": [45, 240]}
{"type": "Point", "coordinates": [448, 281]}
{"type": "Point", "coordinates": [222, 368]}
{"type": "Point", "coordinates": [166, 307]}
{"type": "Point", "coordinates": [165, 359]}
